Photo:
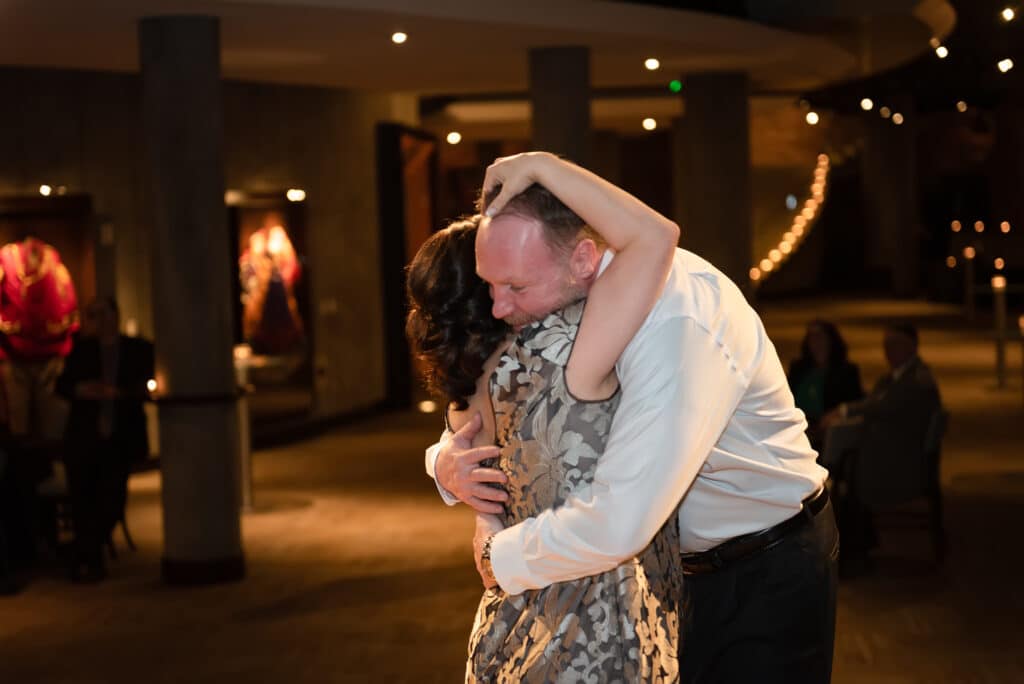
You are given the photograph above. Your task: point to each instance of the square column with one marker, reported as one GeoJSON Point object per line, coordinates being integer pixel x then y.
{"type": "Point", "coordinates": [183, 132]}
{"type": "Point", "coordinates": [560, 100]}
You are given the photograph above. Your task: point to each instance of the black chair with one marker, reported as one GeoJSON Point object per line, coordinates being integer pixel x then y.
{"type": "Point", "coordinates": [56, 496]}
{"type": "Point", "coordinates": [920, 483]}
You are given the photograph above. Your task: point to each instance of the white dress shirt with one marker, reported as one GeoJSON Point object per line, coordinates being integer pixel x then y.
{"type": "Point", "coordinates": [707, 423]}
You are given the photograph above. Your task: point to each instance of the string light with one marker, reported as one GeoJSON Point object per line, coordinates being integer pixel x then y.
{"type": "Point", "coordinates": [884, 112]}
{"type": "Point", "coordinates": [969, 252]}
{"type": "Point", "coordinates": [812, 118]}
{"type": "Point", "coordinates": [866, 104]}
{"type": "Point", "coordinates": [791, 238]}
{"type": "Point", "coordinates": [942, 51]}
{"type": "Point", "coordinates": [951, 261]}
{"type": "Point", "coordinates": [651, 64]}
{"type": "Point", "coordinates": [1008, 14]}
{"type": "Point", "coordinates": [961, 106]}
{"type": "Point", "coordinates": [999, 263]}
{"type": "Point", "coordinates": [295, 194]}
{"type": "Point", "coordinates": [45, 190]}
{"type": "Point", "coordinates": [454, 138]}
{"type": "Point", "coordinates": [934, 42]}
{"type": "Point", "coordinates": [1005, 64]}
{"type": "Point", "coordinates": [956, 226]}
{"type": "Point", "coordinates": [649, 124]}
{"type": "Point", "coordinates": [398, 37]}
{"type": "Point", "coordinates": [979, 227]}
{"type": "Point", "coordinates": [1004, 226]}
{"type": "Point", "coordinates": [897, 119]}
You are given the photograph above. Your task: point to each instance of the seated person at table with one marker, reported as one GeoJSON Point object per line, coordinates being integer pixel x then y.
{"type": "Point", "coordinates": [823, 377]}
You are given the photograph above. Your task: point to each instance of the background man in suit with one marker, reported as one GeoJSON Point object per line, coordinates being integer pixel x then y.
{"type": "Point", "coordinates": [105, 379]}
{"type": "Point", "coordinates": [873, 446]}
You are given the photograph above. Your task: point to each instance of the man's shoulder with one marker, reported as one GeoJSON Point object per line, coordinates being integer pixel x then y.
{"type": "Point", "coordinates": [697, 290]}
{"type": "Point", "coordinates": [922, 373]}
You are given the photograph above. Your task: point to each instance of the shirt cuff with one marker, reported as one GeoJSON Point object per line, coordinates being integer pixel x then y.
{"type": "Point", "coordinates": [431, 463]}
{"type": "Point", "coordinates": [507, 561]}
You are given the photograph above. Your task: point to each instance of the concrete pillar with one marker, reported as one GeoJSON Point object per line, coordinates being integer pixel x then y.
{"type": "Point", "coordinates": [560, 98]}
{"type": "Point", "coordinates": [606, 156]}
{"type": "Point", "coordinates": [712, 175]}
{"type": "Point", "coordinates": [183, 132]}
{"type": "Point", "coordinates": [892, 228]}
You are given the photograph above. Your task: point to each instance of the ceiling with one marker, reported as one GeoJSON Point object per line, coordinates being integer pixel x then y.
{"type": "Point", "coordinates": [471, 55]}
{"type": "Point", "coordinates": [454, 46]}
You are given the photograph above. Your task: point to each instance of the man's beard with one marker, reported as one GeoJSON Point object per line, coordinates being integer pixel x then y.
{"type": "Point", "coordinates": [571, 293]}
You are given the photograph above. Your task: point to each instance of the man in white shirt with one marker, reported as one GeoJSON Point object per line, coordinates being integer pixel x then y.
{"type": "Point", "coordinates": [707, 430]}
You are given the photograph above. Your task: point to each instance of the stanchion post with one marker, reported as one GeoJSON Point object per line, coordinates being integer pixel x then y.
{"type": "Point", "coordinates": [999, 303]}
{"type": "Point", "coordinates": [1020, 326]}
{"type": "Point", "coordinates": [242, 356]}
{"type": "Point", "coordinates": [969, 254]}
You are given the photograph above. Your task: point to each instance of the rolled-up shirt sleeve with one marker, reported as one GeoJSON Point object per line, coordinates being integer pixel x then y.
{"type": "Point", "coordinates": [680, 388]}
{"type": "Point", "coordinates": [430, 462]}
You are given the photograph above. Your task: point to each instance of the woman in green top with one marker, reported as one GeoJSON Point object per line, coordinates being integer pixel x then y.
{"type": "Point", "coordinates": [823, 377]}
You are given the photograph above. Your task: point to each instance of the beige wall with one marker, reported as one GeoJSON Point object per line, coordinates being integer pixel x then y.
{"type": "Point", "coordinates": [83, 130]}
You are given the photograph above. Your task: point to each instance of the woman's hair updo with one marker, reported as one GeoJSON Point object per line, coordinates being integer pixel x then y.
{"type": "Point", "coordinates": [450, 326]}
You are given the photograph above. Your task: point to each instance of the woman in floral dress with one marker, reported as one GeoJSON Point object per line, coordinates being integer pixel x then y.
{"type": "Point", "coordinates": [546, 392]}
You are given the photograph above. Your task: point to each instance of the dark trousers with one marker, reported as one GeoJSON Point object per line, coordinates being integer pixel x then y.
{"type": "Point", "coordinates": [97, 483]}
{"type": "Point", "coordinates": [765, 619]}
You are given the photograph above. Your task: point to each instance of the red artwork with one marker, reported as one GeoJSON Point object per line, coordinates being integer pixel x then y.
{"type": "Point", "coordinates": [38, 306]}
{"type": "Point", "coordinates": [269, 269]}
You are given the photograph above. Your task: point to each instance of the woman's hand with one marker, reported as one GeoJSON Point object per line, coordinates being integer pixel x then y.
{"type": "Point", "coordinates": [486, 527]}
{"type": "Point", "coordinates": [514, 174]}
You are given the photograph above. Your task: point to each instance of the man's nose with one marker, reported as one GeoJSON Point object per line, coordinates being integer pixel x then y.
{"type": "Point", "coordinates": [502, 305]}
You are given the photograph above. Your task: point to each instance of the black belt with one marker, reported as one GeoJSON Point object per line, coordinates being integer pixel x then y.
{"type": "Point", "coordinates": [749, 545]}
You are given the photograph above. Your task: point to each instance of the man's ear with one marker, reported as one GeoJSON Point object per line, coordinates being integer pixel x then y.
{"type": "Point", "coordinates": [584, 260]}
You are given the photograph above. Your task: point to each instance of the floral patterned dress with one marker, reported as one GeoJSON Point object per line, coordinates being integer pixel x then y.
{"type": "Point", "coordinates": [618, 626]}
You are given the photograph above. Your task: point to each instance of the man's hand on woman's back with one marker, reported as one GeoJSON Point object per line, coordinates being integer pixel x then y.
{"type": "Point", "coordinates": [458, 470]}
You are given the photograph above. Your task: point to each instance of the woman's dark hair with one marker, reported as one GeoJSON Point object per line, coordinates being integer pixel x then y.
{"type": "Point", "coordinates": [450, 326]}
{"type": "Point", "coordinates": [838, 353]}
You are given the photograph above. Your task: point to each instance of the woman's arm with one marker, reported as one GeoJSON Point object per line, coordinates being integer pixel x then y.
{"type": "Point", "coordinates": [619, 300]}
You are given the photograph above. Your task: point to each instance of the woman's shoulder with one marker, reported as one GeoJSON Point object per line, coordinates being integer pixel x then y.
{"type": "Point", "coordinates": [565, 320]}
{"type": "Point", "coordinates": [552, 336]}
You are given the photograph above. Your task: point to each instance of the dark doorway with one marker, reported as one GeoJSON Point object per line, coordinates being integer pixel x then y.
{"type": "Point", "coordinates": [407, 167]}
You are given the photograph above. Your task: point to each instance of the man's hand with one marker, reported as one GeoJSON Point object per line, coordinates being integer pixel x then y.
{"type": "Point", "coordinates": [486, 526]}
{"type": "Point", "coordinates": [458, 470]}
{"type": "Point", "coordinates": [95, 390]}
{"type": "Point", "coordinates": [831, 418]}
